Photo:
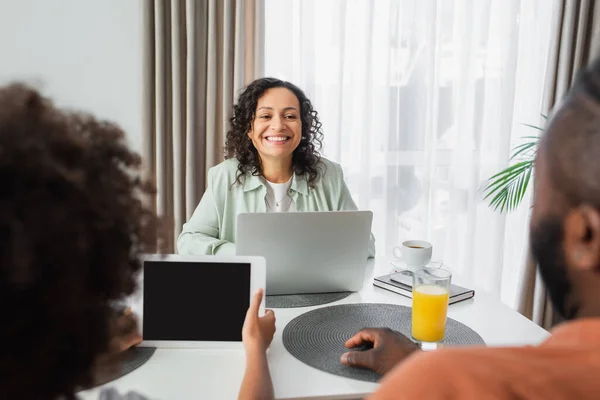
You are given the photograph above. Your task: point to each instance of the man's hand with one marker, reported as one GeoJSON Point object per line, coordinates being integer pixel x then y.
{"type": "Point", "coordinates": [257, 333]}
{"type": "Point", "coordinates": [389, 348]}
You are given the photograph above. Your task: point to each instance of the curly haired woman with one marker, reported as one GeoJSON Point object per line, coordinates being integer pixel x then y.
{"type": "Point", "coordinates": [272, 165]}
{"type": "Point", "coordinates": [72, 228]}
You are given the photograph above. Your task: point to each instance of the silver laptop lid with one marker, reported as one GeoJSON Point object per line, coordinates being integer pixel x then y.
{"type": "Point", "coordinates": [308, 252]}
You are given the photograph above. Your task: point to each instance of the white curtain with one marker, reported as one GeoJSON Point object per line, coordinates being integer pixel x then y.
{"type": "Point", "coordinates": [421, 101]}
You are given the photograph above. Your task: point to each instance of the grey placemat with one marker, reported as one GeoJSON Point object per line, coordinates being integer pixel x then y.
{"type": "Point", "coordinates": [127, 362]}
{"type": "Point", "coordinates": [317, 337]}
{"type": "Point", "coordinates": [303, 300]}
{"type": "Point", "coordinates": [135, 358]}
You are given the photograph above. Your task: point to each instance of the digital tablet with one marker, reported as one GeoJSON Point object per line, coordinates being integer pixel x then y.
{"type": "Point", "coordinates": [196, 301]}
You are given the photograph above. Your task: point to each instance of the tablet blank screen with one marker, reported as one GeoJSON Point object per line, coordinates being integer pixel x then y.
{"type": "Point", "coordinates": [196, 301]}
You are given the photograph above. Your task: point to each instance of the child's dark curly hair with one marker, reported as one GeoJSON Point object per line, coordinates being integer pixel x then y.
{"type": "Point", "coordinates": [72, 225]}
{"type": "Point", "coordinates": [306, 157]}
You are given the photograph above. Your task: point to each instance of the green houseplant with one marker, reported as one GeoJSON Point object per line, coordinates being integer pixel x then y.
{"type": "Point", "coordinates": [506, 189]}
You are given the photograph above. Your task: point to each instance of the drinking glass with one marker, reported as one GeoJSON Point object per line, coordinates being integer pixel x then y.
{"type": "Point", "coordinates": [431, 289]}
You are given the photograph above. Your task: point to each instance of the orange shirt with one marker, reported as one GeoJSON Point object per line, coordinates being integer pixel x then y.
{"type": "Point", "coordinates": [565, 366]}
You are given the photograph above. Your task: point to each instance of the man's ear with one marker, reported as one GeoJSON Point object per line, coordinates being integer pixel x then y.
{"type": "Point", "coordinates": [582, 238]}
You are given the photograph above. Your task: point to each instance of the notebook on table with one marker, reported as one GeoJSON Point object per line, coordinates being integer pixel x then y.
{"type": "Point", "coordinates": [401, 283]}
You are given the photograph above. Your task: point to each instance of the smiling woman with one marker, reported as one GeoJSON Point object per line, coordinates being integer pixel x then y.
{"type": "Point", "coordinates": [273, 165]}
{"type": "Point", "coordinates": [275, 130]}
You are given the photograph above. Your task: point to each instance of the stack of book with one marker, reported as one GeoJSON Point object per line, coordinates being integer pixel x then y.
{"type": "Point", "coordinates": [401, 283]}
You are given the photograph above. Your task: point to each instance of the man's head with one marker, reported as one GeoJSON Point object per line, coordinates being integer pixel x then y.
{"type": "Point", "coordinates": [72, 225]}
{"type": "Point", "coordinates": [565, 225]}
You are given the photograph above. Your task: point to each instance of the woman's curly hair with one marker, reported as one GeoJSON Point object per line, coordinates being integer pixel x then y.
{"type": "Point", "coordinates": [306, 157]}
{"type": "Point", "coordinates": [73, 222]}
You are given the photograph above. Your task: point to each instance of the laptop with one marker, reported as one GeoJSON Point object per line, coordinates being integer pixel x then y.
{"type": "Point", "coordinates": [196, 301]}
{"type": "Point", "coordinates": [308, 252]}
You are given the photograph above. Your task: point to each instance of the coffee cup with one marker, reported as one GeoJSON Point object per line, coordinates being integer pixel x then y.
{"type": "Point", "coordinates": [415, 253]}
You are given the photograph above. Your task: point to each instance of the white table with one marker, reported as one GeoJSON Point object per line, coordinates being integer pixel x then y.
{"type": "Point", "coordinates": [216, 374]}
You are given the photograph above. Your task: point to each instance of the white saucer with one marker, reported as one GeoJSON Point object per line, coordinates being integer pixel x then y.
{"type": "Point", "coordinates": [400, 265]}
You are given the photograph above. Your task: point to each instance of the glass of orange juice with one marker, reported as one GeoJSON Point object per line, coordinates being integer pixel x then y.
{"type": "Point", "coordinates": [431, 288]}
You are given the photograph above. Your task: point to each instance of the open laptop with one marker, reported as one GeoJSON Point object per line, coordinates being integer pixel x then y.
{"type": "Point", "coordinates": [196, 301]}
{"type": "Point", "coordinates": [308, 252]}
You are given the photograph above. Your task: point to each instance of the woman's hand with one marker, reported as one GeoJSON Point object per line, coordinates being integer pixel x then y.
{"type": "Point", "coordinates": [126, 332]}
{"type": "Point", "coordinates": [257, 333]}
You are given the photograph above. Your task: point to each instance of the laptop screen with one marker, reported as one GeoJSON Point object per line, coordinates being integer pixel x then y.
{"type": "Point", "coordinates": [195, 301]}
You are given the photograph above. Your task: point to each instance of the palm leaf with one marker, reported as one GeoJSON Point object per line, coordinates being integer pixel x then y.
{"type": "Point", "coordinates": [504, 177]}
{"type": "Point", "coordinates": [507, 188]}
{"type": "Point", "coordinates": [526, 149]}
{"type": "Point", "coordinates": [534, 127]}
{"type": "Point", "coordinates": [510, 187]}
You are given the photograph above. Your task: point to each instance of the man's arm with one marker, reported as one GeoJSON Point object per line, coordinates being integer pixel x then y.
{"type": "Point", "coordinates": [428, 375]}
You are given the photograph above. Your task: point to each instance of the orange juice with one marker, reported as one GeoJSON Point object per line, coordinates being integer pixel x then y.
{"type": "Point", "coordinates": [429, 308]}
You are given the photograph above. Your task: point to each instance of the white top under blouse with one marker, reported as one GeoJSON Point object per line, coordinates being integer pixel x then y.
{"type": "Point", "coordinates": [278, 197]}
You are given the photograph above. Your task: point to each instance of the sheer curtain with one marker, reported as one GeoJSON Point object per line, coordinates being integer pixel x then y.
{"type": "Point", "coordinates": [421, 101]}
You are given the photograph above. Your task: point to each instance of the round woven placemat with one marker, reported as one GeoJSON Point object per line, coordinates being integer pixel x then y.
{"type": "Point", "coordinates": [130, 360]}
{"type": "Point", "coordinates": [303, 300]}
{"type": "Point", "coordinates": [317, 337]}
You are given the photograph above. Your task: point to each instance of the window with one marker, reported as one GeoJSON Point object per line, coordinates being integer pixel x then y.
{"type": "Point", "coordinates": [421, 101]}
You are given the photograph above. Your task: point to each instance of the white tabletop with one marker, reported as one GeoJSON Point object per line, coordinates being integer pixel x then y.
{"type": "Point", "coordinates": [217, 374]}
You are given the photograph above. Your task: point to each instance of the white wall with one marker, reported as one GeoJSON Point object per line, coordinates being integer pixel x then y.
{"type": "Point", "coordinates": [85, 54]}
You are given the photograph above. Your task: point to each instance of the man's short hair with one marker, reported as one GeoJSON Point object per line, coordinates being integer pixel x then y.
{"type": "Point", "coordinates": [573, 141]}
